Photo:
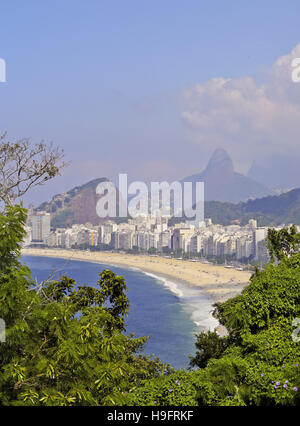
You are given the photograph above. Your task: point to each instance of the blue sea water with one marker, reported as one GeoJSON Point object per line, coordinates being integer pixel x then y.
{"type": "Point", "coordinates": [170, 312]}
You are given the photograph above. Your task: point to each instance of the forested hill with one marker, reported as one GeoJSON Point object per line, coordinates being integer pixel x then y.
{"type": "Point", "coordinates": [271, 210]}
{"type": "Point", "coordinates": [75, 206]}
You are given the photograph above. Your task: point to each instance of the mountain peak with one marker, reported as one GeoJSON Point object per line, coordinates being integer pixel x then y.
{"type": "Point", "coordinates": [222, 183]}
{"type": "Point", "coordinates": [220, 162]}
{"type": "Point", "coordinates": [220, 168]}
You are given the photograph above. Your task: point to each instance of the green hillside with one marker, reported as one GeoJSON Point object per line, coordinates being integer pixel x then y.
{"type": "Point", "coordinates": [271, 210]}
{"type": "Point", "coordinates": [75, 206]}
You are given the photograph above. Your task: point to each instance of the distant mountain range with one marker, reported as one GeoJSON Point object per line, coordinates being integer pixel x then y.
{"type": "Point", "coordinates": [268, 211]}
{"type": "Point", "coordinates": [276, 171]}
{"type": "Point", "coordinates": [79, 206]}
{"type": "Point", "coordinates": [222, 183]}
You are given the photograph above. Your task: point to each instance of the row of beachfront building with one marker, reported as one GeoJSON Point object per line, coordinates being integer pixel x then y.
{"type": "Point", "coordinates": [154, 233]}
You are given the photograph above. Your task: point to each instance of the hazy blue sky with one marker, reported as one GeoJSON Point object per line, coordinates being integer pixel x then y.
{"type": "Point", "coordinates": [127, 85]}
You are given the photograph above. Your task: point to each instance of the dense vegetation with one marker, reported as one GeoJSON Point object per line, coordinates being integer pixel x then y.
{"type": "Point", "coordinates": [66, 344]}
{"type": "Point", "coordinates": [257, 363]}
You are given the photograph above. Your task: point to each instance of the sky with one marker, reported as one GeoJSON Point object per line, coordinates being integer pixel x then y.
{"type": "Point", "coordinates": [151, 88]}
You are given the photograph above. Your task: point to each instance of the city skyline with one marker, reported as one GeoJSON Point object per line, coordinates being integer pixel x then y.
{"type": "Point", "coordinates": [153, 234]}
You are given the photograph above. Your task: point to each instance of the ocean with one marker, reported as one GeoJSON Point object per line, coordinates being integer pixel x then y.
{"type": "Point", "coordinates": [171, 312]}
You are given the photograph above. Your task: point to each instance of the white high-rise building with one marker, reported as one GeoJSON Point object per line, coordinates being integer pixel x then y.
{"type": "Point", "coordinates": [259, 234]}
{"type": "Point", "coordinates": [40, 227]}
{"type": "Point", "coordinates": [244, 247]}
{"type": "Point", "coordinates": [27, 239]}
{"type": "Point", "coordinates": [195, 244]}
{"type": "Point", "coordinates": [252, 224]}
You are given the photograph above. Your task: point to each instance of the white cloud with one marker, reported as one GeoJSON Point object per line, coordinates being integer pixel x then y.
{"type": "Point", "coordinates": [246, 118]}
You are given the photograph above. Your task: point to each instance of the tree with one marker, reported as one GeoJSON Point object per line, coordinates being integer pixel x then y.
{"type": "Point", "coordinates": [209, 345]}
{"type": "Point", "coordinates": [24, 165]}
{"type": "Point", "coordinates": [283, 243]}
{"type": "Point", "coordinates": [65, 343]}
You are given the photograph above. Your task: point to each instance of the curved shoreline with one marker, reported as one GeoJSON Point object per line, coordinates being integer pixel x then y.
{"type": "Point", "coordinates": [216, 281]}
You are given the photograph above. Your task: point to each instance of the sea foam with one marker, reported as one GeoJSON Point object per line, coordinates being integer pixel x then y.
{"type": "Point", "coordinates": [193, 300]}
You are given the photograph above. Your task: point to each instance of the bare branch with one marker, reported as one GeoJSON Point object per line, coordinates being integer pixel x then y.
{"type": "Point", "coordinates": [24, 165]}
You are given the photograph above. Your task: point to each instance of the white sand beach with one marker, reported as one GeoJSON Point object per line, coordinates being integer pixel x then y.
{"type": "Point", "coordinates": [219, 282]}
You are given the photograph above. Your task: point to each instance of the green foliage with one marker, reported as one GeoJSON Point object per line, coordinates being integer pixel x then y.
{"type": "Point", "coordinates": [272, 296]}
{"type": "Point", "coordinates": [177, 389]}
{"type": "Point", "coordinates": [257, 364]}
{"type": "Point", "coordinates": [261, 351]}
{"type": "Point", "coordinates": [209, 345]}
{"type": "Point", "coordinates": [63, 219]}
{"type": "Point", "coordinates": [12, 233]}
{"type": "Point", "coordinates": [283, 243]}
{"type": "Point", "coordinates": [64, 343]}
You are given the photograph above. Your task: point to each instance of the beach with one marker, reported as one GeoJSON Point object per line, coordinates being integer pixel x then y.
{"type": "Point", "coordinates": [219, 282]}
